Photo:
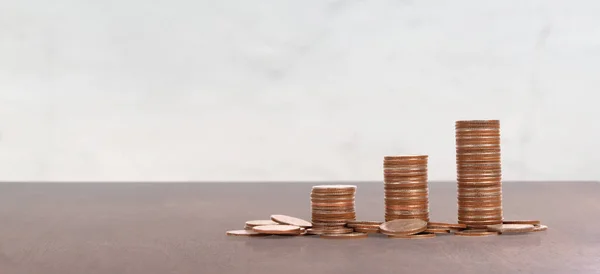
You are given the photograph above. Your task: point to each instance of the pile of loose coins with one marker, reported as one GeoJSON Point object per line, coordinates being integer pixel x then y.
{"type": "Point", "coordinates": [406, 198]}
{"type": "Point", "coordinates": [479, 173]}
{"type": "Point", "coordinates": [405, 187]}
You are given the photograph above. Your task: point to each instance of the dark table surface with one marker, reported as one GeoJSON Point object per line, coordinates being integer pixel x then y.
{"type": "Point", "coordinates": [180, 228]}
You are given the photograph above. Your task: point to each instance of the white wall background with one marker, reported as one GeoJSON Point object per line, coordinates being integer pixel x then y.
{"type": "Point", "coordinates": [293, 90]}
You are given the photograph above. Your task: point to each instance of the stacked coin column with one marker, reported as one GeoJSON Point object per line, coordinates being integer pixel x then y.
{"type": "Point", "coordinates": [405, 187]}
{"type": "Point", "coordinates": [332, 206]}
{"type": "Point", "coordinates": [479, 172]}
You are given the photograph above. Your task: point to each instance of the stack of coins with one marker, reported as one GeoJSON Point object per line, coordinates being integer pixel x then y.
{"type": "Point", "coordinates": [479, 173]}
{"type": "Point", "coordinates": [332, 206]}
{"type": "Point", "coordinates": [405, 185]}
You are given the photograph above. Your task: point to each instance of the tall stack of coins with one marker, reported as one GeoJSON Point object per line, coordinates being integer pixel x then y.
{"type": "Point", "coordinates": [405, 185]}
{"type": "Point", "coordinates": [479, 172]}
{"type": "Point", "coordinates": [332, 206]}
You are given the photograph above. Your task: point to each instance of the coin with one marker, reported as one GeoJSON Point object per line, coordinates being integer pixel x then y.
{"type": "Point", "coordinates": [511, 228]}
{"type": "Point", "coordinates": [475, 233]}
{"type": "Point", "coordinates": [367, 230]}
{"type": "Point", "coordinates": [540, 227]}
{"type": "Point", "coordinates": [446, 225]}
{"type": "Point", "coordinates": [321, 230]}
{"type": "Point", "coordinates": [244, 233]}
{"type": "Point", "coordinates": [437, 230]}
{"type": "Point", "coordinates": [403, 226]}
{"type": "Point", "coordinates": [288, 220]}
{"type": "Point", "coordinates": [522, 222]}
{"type": "Point", "coordinates": [333, 187]}
{"type": "Point", "coordinates": [414, 236]}
{"type": "Point", "coordinates": [354, 223]}
{"type": "Point", "coordinates": [352, 235]}
{"type": "Point", "coordinates": [254, 223]}
{"type": "Point", "coordinates": [277, 229]}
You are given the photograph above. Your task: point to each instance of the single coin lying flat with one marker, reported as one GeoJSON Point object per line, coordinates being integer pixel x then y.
{"type": "Point", "coordinates": [352, 235]}
{"type": "Point", "coordinates": [277, 229]}
{"type": "Point", "coordinates": [522, 222]}
{"type": "Point", "coordinates": [511, 228]}
{"type": "Point", "coordinates": [446, 225]}
{"type": "Point", "coordinates": [288, 220]}
{"type": "Point", "coordinates": [363, 223]}
{"type": "Point", "coordinates": [403, 227]}
{"type": "Point", "coordinates": [437, 230]}
{"type": "Point", "coordinates": [540, 227]}
{"type": "Point", "coordinates": [245, 233]}
{"type": "Point", "coordinates": [254, 223]}
{"type": "Point", "coordinates": [415, 236]}
{"type": "Point", "coordinates": [475, 233]}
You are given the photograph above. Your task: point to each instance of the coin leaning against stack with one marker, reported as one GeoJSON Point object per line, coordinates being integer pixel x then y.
{"type": "Point", "coordinates": [405, 187]}
{"type": "Point", "coordinates": [332, 206]}
{"type": "Point", "coordinates": [479, 177]}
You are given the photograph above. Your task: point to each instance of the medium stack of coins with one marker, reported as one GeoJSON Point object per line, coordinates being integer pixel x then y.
{"type": "Point", "coordinates": [479, 173]}
{"type": "Point", "coordinates": [332, 206]}
{"type": "Point", "coordinates": [405, 185]}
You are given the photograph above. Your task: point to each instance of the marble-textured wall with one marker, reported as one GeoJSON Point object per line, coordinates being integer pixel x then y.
{"type": "Point", "coordinates": [274, 90]}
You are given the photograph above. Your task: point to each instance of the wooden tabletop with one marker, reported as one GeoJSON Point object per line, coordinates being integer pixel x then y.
{"type": "Point", "coordinates": [180, 228]}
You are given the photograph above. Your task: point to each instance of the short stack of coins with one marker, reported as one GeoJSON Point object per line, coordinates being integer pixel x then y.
{"type": "Point", "coordinates": [405, 187]}
{"type": "Point", "coordinates": [332, 206]}
{"type": "Point", "coordinates": [479, 173]}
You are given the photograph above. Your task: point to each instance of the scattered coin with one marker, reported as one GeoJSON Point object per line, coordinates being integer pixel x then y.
{"type": "Point", "coordinates": [321, 230]}
{"type": "Point", "coordinates": [364, 223]}
{"type": "Point", "coordinates": [288, 220]}
{"type": "Point", "coordinates": [367, 230]}
{"type": "Point", "coordinates": [245, 233]}
{"type": "Point", "coordinates": [352, 235]}
{"type": "Point", "coordinates": [511, 228]}
{"type": "Point", "coordinates": [538, 228]}
{"type": "Point", "coordinates": [523, 222]}
{"type": "Point", "coordinates": [414, 236]}
{"type": "Point", "coordinates": [437, 230]}
{"type": "Point", "coordinates": [403, 227]}
{"type": "Point", "coordinates": [475, 233]}
{"type": "Point", "coordinates": [277, 229]}
{"type": "Point", "coordinates": [446, 225]}
{"type": "Point", "coordinates": [254, 223]}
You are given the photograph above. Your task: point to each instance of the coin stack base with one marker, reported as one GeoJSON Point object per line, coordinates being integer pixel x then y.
{"type": "Point", "coordinates": [405, 187]}
{"type": "Point", "coordinates": [479, 177]}
{"type": "Point", "coordinates": [332, 206]}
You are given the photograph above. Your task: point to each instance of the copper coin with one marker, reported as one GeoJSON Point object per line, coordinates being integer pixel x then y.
{"type": "Point", "coordinates": [522, 222]}
{"type": "Point", "coordinates": [367, 230]}
{"type": "Point", "coordinates": [446, 225]}
{"type": "Point", "coordinates": [334, 206]}
{"type": "Point", "coordinates": [480, 209]}
{"type": "Point", "coordinates": [352, 235]}
{"type": "Point", "coordinates": [540, 227]}
{"type": "Point", "coordinates": [403, 226]}
{"type": "Point", "coordinates": [288, 220]}
{"type": "Point", "coordinates": [414, 236]}
{"type": "Point", "coordinates": [336, 221]}
{"type": "Point", "coordinates": [328, 224]}
{"type": "Point", "coordinates": [399, 175]}
{"type": "Point", "coordinates": [480, 218]}
{"type": "Point", "coordinates": [474, 233]}
{"type": "Point", "coordinates": [330, 211]}
{"type": "Point", "coordinates": [511, 228]}
{"type": "Point", "coordinates": [408, 191]}
{"type": "Point", "coordinates": [496, 204]}
{"type": "Point", "coordinates": [332, 194]}
{"type": "Point", "coordinates": [358, 226]}
{"type": "Point", "coordinates": [479, 195]}
{"type": "Point", "coordinates": [481, 189]}
{"type": "Point", "coordinates": [405, 158]}
{"type": "Point", "coordinates": [328, 200]}
{"type": "Point", "coordinates": [334, 216]}
{"type": "Point", "coordinates": [277, 229]}
{"type": "Point", "coordinates": [319, 231]}
{"type": "Point", "coordinates": [254, 223]}
{"type": "Point", "coordinates": [479, 224]}
{"type": "Point", "coordinates": [334, 187]}
{"type": "Point", "coordinates": [356, 223]}
{"type": "Point", "coordinates": [245, 233]}
{"type": "Point", "coordinates": [493, 122]}
{"type": "Point", "coordinates": [437, 230]}
{"type": "Point", "coordinates": [406, 207]}
{"type": "Point", "coordinates": [404, 168]}
{"type": "Point", "coordinates": [387, 219]}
